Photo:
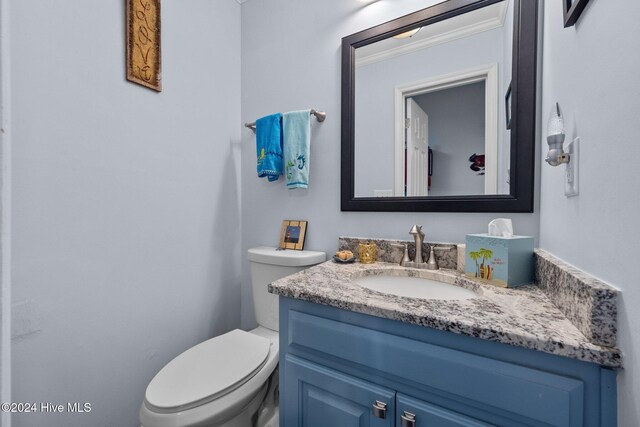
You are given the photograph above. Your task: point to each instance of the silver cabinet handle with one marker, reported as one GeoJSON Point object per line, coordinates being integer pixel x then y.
{"type": "Point", "coordinates": [379, 409]}
{"type": "Point", "coordinates": [408, 419]}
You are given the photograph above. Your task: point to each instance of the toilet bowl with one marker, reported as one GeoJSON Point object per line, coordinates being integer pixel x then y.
{"type": "Point", "coordinates": [230, 380]}
{"type": "Point", "coordinates": [220, 382]}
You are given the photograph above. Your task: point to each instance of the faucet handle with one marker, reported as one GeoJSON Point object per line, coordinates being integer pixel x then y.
{"type": "Point", "coordinates": [432, 264]}
{"type": "Point", "coordinates": [405, 256]}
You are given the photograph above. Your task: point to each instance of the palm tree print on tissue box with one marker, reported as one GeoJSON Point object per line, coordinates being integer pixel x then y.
{"type": "Point", "coordinates": [502, 261]}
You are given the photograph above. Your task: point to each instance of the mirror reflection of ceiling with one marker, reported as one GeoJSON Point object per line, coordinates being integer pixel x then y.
{"type": "Point", "coordinates": [464, 25]}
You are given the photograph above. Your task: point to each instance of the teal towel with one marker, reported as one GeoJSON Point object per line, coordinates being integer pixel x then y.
{"type": "Point", "coordinates": [269, 146]}
{"type": "Point", "coordinates": [296, 129]}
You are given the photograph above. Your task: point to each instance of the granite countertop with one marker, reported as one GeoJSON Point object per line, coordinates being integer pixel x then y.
{"type": "Point", "coordinates": [523, 316]}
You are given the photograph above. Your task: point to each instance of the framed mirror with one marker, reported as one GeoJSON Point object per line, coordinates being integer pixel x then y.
{"type": "Point", "coordinates": [439, 110]}
{"type": "Point", "coordinates": [572, 11]}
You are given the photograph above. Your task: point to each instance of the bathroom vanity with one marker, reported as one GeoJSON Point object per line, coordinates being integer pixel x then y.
{"type": "Point", "coordinates": [352, 356]}
{"type": "Point", "coordinates": [383, 354]}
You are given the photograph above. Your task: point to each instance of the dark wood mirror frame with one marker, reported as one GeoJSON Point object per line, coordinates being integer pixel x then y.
{"type": "Point", "coordinates": [523, 129]}
{"type": "Point", "coordinates": [572, 10]}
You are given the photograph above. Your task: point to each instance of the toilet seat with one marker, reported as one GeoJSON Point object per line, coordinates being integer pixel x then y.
{"type": "Point", "coordinates": [216, 410]}
{"type": "Point", "coordinates": [207, 371]}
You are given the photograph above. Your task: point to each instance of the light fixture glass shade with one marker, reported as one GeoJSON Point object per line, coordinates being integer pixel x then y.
{"type": "Point", "coordinates": [555, 126]}
{"type": "Point", "coordinates": [555, 138]}
{"type": "Point", "coordinates": [407, 34]}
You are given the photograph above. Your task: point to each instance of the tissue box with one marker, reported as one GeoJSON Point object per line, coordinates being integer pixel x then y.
{"type": "Point", "coordinates": [501, 261]}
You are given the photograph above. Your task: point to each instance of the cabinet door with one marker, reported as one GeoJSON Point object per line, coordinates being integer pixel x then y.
{"type": "Point", "coordinates": [316, 396]}
{"type": "Point", "coordinates": [417, 413]}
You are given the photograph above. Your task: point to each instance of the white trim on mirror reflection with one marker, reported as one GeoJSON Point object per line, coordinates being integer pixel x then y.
{"type": "Point", "coordinates": [487, 73]}
{"type": "Point", "coordinates": [465, 25]}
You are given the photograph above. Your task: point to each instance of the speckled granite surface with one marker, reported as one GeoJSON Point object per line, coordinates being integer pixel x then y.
{"type": "Point", "coordinates": [523, 317]}
{"type": "Point", "coordinates": [586, 301]}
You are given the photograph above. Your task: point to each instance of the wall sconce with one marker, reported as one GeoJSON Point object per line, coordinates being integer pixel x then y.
{"type": "Point", "coordinates": [555, 138]}
{"type": "Point", "coordinates": [557, 155]}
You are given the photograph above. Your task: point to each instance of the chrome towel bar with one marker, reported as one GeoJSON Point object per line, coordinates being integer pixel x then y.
{"type": "Point", "coordinates": [320, 116]}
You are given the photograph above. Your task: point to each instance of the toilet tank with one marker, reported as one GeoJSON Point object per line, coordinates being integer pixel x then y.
{"type": "Point", "coordinates": [267, 265]}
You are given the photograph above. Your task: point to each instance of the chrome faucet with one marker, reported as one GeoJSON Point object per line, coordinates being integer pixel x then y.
{"type": "Point", "coordinates": [418, 236]}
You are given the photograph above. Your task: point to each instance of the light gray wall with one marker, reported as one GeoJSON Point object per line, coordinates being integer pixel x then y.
{"type": "Point", "coordinates": [126, 226]}
{"type": "Point", "coordinates": [592, 71]}
{"type": "Point", "coordinates": [291, 60]}
{"type": "Point", "coordinates": [5, 214]}
{"type": "Point", "coordinates": [374, 98]}
{"type": "Point", "coordinates": [456, 131]}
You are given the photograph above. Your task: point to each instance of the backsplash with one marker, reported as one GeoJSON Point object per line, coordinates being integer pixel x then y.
{"type": "Point", "coordinates": [393, 250]}
{"type": "Point", "coordinates": [589, 303]}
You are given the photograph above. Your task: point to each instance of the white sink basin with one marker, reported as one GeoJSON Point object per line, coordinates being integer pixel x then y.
{"type": "Point", "coordinates": [415, 287]}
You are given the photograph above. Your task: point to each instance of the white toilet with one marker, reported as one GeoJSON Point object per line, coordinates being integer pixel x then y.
{"type": "Point", "coordinates": [230, 380]}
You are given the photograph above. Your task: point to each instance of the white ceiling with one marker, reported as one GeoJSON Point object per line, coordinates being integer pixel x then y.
{"type": "Point", "coordinates": [464, 25]}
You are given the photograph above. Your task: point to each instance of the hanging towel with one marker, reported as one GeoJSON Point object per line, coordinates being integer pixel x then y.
{"type": "Point", "coordinates": [269, 146]}
{"type": "Point", "coordinates": [296, 129]}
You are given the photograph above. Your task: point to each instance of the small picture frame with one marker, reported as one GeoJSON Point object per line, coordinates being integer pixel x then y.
{"type": "Point", "coordinates": [572, 10]}
{"type": "Point", "coordinates": [507, 106]}
{"type": "Point", "coordinates": [293, 234]}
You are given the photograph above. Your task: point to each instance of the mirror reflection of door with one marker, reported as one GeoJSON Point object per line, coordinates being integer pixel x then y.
{"type": "Point", "coordinates": [416, 174]}
{"type": "Point", "coordinates": [455, 133]}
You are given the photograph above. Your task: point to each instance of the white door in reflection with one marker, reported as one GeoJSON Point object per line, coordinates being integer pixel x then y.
{"type": "Point", "coordinates": [417, 151]}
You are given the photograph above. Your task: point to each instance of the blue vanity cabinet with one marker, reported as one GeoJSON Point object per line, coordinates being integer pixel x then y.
{"type": "Point", "coordinates": [321, 397]}
{"type": "Point", "coordinates": [337, 365]}
{"type": "Point", "coordinates": [415, 413]}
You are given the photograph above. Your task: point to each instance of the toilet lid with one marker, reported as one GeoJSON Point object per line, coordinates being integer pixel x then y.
{"type": "Point", "coordinates": [209, 370]}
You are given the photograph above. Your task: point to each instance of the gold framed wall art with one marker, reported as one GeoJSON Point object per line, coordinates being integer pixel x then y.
{"type": "Point", "coordinates": [143, 43]}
